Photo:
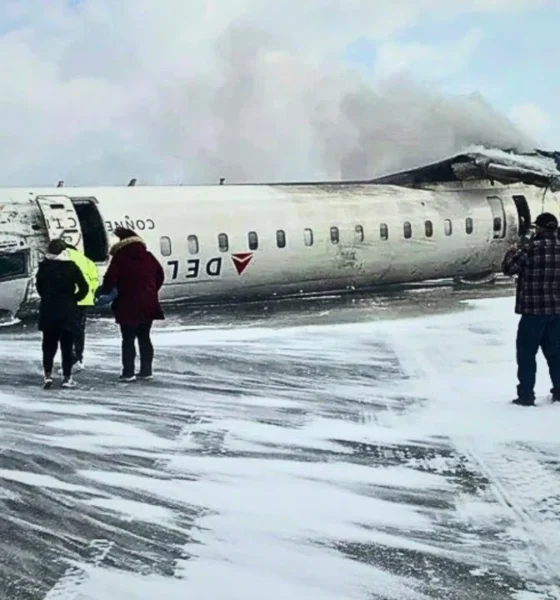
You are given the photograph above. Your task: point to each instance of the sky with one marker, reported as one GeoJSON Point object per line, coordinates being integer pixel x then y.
{"type": "Point", "coordinates": [100, 91]}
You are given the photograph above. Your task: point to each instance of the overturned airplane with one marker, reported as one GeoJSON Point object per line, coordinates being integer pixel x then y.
{"type": "Point", "coordinates": [231, 243]}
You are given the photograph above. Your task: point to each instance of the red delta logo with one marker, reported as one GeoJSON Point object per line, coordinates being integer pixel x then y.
{"type": "Point", "coordinates": [241, 261]}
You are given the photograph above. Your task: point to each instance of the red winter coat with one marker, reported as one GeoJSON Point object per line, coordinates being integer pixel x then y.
{"type": "Point", "coordinates": [138, 277]}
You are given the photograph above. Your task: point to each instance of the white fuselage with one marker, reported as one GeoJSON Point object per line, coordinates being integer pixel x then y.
{"type": "Point", "coordinates": [228, 243]}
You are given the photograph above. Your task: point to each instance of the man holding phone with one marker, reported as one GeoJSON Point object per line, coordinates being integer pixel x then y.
{"type": "Point", "coordinates": [536, 263]}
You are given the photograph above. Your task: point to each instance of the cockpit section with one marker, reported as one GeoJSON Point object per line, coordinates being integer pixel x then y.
{"type": "Point", "coordinates": [14, 264]}
{"type": "Point", "coordinates": [15, 270]}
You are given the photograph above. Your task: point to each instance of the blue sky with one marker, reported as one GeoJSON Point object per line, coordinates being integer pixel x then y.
{"type": "Point", "coordinates": [515, 63]}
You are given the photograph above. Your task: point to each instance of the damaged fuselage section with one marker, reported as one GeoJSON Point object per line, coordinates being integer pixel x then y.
{"type": "Point", "coordinates": [515, 186]}
{"type": "Point", "coordinates": [539, 168]}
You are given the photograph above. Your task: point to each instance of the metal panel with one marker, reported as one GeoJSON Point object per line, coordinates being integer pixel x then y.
{"type": "Point", "coordinates": [61, 219]}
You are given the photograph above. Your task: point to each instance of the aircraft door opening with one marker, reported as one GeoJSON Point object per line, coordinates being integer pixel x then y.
{"type": "Point", "coordinates": [498, 217]}
{"type": "Point", "coordinates": [96, 244]}
{"type": "Point", "coordinates": [524, 214]}
{"type": "Point", "coordinates": [61, 219]}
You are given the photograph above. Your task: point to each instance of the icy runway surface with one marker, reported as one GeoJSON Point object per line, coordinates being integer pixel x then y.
{"type": "Point", "coordinates": [372, 460]}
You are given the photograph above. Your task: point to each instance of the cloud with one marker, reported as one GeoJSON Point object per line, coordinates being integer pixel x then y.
{"type": "Point", "coordinates": [531, 119]}
{"type": "Point", "coordinates": [99, 91]}
{"type": "Point", "coordinates": [439, 60]}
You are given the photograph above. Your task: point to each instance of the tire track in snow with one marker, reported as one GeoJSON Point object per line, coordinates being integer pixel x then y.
{"type": "Point", "coordinates": [527, 490]}
{"type": "Point", "coordinates": [523, 486]}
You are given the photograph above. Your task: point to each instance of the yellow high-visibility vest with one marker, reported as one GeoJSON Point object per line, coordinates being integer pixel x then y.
{"type": "Point", "coordinates": [89, 271]}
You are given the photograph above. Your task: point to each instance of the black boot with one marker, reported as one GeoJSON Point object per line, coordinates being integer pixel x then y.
{"type": "Point", "coordinates": [145, 371]}
{"type": "Point", "coordinates": [525, 397]}
{"type": "Point", "coordinates": [555, 394]}
{"type": "Point", "coordinates": [524, 401]}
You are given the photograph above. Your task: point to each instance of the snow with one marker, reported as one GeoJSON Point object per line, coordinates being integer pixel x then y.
{"type": "Point", "coordinates": [542, 164]}
{"type": "Point", "coordinates": [131, 510]}
{"type": "Point", "coordinates": [467, 363]}
{"type": "Point", "coordinates": [370, 459]}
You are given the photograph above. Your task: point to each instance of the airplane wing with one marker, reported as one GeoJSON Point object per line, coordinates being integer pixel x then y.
{"type": "Point", "coordinates": [540, 168]}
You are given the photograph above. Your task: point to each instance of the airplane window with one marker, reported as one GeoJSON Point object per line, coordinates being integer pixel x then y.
{"type": "Point", "coordinates": [334, 235]}
{"type": "Point", "coordinates": [429, 228]}
{"type": "Point", "coordinates": [407, 230]}
{"type": "Point", "coordinates": [384, 231]}
{"type": "Point", "coordinates": [165, 246]}
{"type": "Point", "coordinates": [447, 227]}
{"type": "Point", "coordinates": [192, 241]}
{"type": "Point", "coordinates": [253, 240]}
{"type": "Point", "coordinates": [308, 237]}
{"type": "Point", "coordinates": [281, 238]}
{"type": "Point", "coordinates": [497, 224]}
{"type": "Point", "coordinates": [223, 243]}
{"type": "Point", "coordinates": [359, 233]}
{"type": "Point", "coordinates": [468, 225]}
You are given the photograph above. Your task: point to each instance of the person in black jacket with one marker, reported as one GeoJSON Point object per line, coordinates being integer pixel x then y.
{"type": "Point", "coordinates": [60, 285]}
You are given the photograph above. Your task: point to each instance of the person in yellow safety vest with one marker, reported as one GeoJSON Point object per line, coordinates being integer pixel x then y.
{"type": "Point", "coordinates": [89, 271]}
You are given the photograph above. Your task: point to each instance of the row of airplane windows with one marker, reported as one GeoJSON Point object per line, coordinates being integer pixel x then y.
{"type": "Point", "coordinates": [253, 238]}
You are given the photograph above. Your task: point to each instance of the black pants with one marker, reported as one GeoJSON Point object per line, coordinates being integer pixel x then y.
{"type": "Point", "coordinates": [534, 332]}
{"type": "Point", "coordinates": [80, 334]}
{"type": "Point", "coordinates": [52, 337]}
{"type": "Point", "coordinates": [129, 335]}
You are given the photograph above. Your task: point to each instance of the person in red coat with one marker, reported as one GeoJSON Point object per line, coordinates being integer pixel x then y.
{"type": "Point", "coordinates": [137, 276]}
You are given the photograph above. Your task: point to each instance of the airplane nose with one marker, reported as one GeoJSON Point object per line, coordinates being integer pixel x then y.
{"type": "Point", "coordinates": [14, 274]}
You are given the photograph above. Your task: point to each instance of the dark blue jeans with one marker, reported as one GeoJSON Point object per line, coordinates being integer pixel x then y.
{"type": "Point", "coordinates": [536, 331]}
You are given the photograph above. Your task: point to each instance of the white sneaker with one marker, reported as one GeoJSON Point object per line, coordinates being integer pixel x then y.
{"type": "Point", "coordinates": [144, 377]}
{"type": "Point", "coordinates": [68, 383]}
{"type": "Point", "coordinates": [76, 367]}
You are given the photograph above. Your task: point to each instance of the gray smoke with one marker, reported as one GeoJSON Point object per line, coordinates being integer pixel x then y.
{"type": "Point", "coordinates": [404, 124]}
{"type": "Point", "coordinates": [267, 116]}
{"type": "Point", "coordinates": [242, 104]}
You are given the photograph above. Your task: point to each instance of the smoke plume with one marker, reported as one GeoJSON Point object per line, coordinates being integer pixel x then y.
{"type": "Point", "coordinates": [267, 116]}
{"type": "Point", "coordinates": [101, 93]}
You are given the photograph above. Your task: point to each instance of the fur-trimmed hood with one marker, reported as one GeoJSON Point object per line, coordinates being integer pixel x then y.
{"type": "Point", "coordinates": [126, 242]}
{"type": "Point", "coordinates": [62, 256]}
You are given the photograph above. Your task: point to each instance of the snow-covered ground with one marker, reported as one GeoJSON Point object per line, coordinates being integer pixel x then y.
{"type": "Point", "coordinates": [372, 460]}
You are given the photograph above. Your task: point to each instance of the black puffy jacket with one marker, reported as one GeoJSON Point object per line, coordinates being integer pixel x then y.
{"type": "Point", "coordinates": [61, 285]}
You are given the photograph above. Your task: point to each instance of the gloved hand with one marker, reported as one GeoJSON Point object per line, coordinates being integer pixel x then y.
{"type": "Point", "coordinates": [103, 299]}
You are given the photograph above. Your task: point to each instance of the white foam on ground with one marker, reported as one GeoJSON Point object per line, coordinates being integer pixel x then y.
{"type": "Point", "coordinates": [113, 433]}
{"type": "Point", "coordinates": [268, 521]}
{"type": "Point", "coordinates": [129, 509]}
{"type": "Point", "coordinates": [41, 480]}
